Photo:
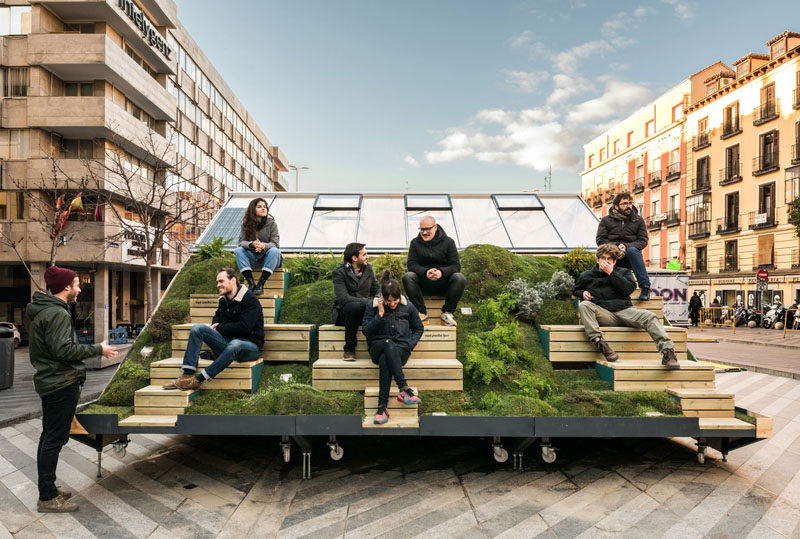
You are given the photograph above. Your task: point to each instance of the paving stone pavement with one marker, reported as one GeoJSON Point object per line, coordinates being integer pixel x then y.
{"type": "Point", "coordinates": [181, 486]}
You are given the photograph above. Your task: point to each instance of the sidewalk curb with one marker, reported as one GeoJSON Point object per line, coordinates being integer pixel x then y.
{"type": "Point", "coordinates": [754, 368]}
{"type": "Point", "coordinates": [85, 398]}
{"type": "Point", "coordinates": [758, 343]}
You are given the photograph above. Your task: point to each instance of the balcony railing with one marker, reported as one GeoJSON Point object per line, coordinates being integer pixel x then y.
{"type": "Point", "coordinates": [699, 229]}
{"type": "Point", "coordinates": [729, 225]}
{"type": "Point", "coordinates": [638, 185]}
{"type": "Point", "coordinates": [655, 179]}
{"type": "Point", "coordinates": [757, 220]}
{"type": "Point", "coordinates": [673, 218]}
{"type": "Point", "coordinates": [729, 262]}
{"type": "Point", "coordinates": [702, 140]}
{"type": "Point", "coordinates": [766, 111]}
{"type": "Point", "coordinates": [766, 163]}
{"type": "Point", "coordinates": [655, 221]}
{"type": "Point", "coordinates": [795, 154]}
{"type": "Point", "coordinates": [730, 174]}
{"type": "Point", "coordinates": [674, 171]}
{"type": "Point", "coordinates": [609, 196]}
{"type": "Point", "coordinates": [598, 201]}
{"type": "Point", "coordinates": [731, 127]}
{"type": "Point", "coordinates": [796, 98]}
{"type": "Point", "coordinates": [701, 183]}
{"type": "Point", "coordinates": [701, 266]}
{"type": "Point", "coordinates": [796, 258]}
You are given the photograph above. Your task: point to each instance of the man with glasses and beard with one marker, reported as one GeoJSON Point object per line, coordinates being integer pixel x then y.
{"type": "Point", "coordinates": [433, 267]}
{"type": "Point", "coordinates": [625, 228]}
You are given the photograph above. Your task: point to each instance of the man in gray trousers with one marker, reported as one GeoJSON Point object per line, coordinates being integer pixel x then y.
{"type": "Point", "coordinates": [605, 290]}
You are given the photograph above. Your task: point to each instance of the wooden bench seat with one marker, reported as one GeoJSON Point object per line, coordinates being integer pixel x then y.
{"type": "Point", "coordinates": [400, 415]}
{"type": "Point", "coordinates": [434, 307]}
{"type": "Point", "coordinates": [569, 344]}
{"type": "Point", "coordinates": [437, 342]}
{"type": "Point", "coordinates": [647, 376]}
{"type": "Point", "coordinates": [704, 402]}
{"type": "Point", "coordinates": [655, 305]}
{"type": "Point", "coordinates": [282, 342]}
{"type": "Point", "coordinates": [203, 306]}
{"type": "Point", "coordinates": [335, 374]}
{"type": "Point", "coordinates": [155, 406]}
{"type": "Point", "coordinates": [244, 376]}
{"type": "Point", "coordinates": [277, 284]}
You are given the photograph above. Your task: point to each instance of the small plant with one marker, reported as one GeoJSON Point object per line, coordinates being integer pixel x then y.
{"type": "Point", "coordinates": [213, 249]}
{"type": "Point", "coordinates": [489, 400]}
{"type": "Point", "coordinates": [563, 283]}
{"type": "Point", "coordinates": [391, 262]}
{"type": "Point", "coordinates": [495, 310]}
{"type": "Point", "coordinates": [578, 260]}
{"type": "Point", "coordinates": [528, 299]}
{"type": "Point", "coordinates": [312, 267]}
{"type": "Point", "coordinates": [489, 353]}
{"type": "Point", "coordinates": [534, 385]}
{"type": "Point", "coordinates": [164, 318]}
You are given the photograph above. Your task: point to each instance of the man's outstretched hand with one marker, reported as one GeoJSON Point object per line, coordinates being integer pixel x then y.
{"type": "Point", "coordinates": [587, 296]}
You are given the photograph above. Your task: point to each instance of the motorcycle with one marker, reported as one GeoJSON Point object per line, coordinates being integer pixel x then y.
{"type": "Point", "coordinates": [774, 315]}
{"type": "Point", "coordinates": [793, 317]}
{"type": "Point", "coordinates": [754, 318]}
{"type": "Point", "coordinates": [740, 316]}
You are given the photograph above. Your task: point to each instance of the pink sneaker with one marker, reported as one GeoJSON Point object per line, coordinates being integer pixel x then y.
{"type": "Point", "coordinates": [381, 417]}
{"type": "Point", "coordinates": [408, 397]}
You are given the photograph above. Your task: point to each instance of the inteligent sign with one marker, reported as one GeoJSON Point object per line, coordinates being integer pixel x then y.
{"type": "Point", "coordinates": [143, 23]}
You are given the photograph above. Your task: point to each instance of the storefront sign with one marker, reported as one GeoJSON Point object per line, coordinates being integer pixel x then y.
{"type": "Point", "coordinates": [143, 23]}
{"type": "Point", "coordinates": [675, 292]}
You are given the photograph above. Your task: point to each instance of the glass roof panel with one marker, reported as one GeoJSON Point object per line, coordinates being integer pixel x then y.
{"type": "Point", "coordinates": [331, 229]}
{"type": "Point", "coordinates": [226, 225]}
{"type": "Point", "coordinates": [443, 218]}
{"type": "Point", "coordinates": [428, 202]}
{"type": "Point", "coordinates": [478, 222]}
{"type": "Point", "coordinates": [337, 202]}
{"type": "Point", "coordinates": [291, 215]}
{"type": "Point", "coordinates": [576, 223]}
{"type": "Point", "coordinates": [530, 229]}
{"type": "Point", "coordinates": [525, 201]}
{"type": "Point", "coordinates": [378, 226]}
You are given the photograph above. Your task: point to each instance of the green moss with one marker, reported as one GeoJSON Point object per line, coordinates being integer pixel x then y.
{"type": "Point", "coordinates": [520, 405]}
{"type": "Point", "coordinates": [308, 304]}
{"type": "Point", "coordinates": [394, 263]}
{"type": "Point", "coordinates": [535, 269]}
{"type": "Point", "coordinates": [121, 411]}
{"type": "Point", "coordinates": [311, 267]}
{"type": "Point", "coordinates": [488, 270]}
{"type": "Point", "coordinates": [291, 399]}
{"type": "Point", "coordinates": [130, 376]}
{"type": "Point", "coordinates": [218, 402]}
{"type": "Point", "coordinates": [744, 417]}
{"type": "Point", "coordinates": [270, 375]}
{"type": "Point", "coordinates": [557, 312]}
{"type": "Point", "coordinates": [451, 402]}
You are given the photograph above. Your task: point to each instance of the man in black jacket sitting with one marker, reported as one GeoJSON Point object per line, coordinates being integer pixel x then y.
{"type": "Point", "coordinates": [354, 283]}
{"type": "Point", "coordinates": [625, 228]}
{"type": "Point", "coordinates": [433, 267]}
{"type": "Point", "coordinates": [605, 290]}
{"type": "Point", "coordinates": [236, 333]}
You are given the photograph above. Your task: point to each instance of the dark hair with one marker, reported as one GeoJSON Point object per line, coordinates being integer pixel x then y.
{"type": "Point", "coordinates": [351, 250]}
{"type": "Point", "coordinates": [251, 222]}
{"type": "Point", "coordinates": [389, 287]}
{"type": "Point", "coordinates": [609, 249]}
{"type": "Point", "coordinates": [622, 196]}
{"type": "Point", "coordinates": [231, 273]}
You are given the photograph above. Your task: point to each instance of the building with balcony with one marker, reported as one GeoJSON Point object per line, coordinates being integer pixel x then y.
{"type": "Point", "coordinates": [646, 155]}
{"type": "Point", "coordinates": [88, 81]}
{"type": "Point", "coordinates": [747, 129]}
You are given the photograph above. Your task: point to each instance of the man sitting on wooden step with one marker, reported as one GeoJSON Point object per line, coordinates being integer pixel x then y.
{"type": "Point", "coordinates": [433, 267]}
{"type": "Point", "coordinates": [625, 228]}
{"type": "Point", "coordinates": [605, 290]}
{"type": "Point", "coordinates": [354, 284]}
{"type": "Point", "coordinates": [236, 333]}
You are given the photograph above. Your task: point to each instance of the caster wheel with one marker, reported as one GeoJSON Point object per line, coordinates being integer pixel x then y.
{"type": "Point", "coordinates": [701, 458]}
{"type": "Point", "coordinates": [120, 450]}
{"type": "Point", "coordinates": [287, 453]}
{"type": "Point", "coordinates": [548, 454]}
{"type": "Point", "coordinates": [500, 454]}
{"type": "Point", "coordinates": [337, 453]}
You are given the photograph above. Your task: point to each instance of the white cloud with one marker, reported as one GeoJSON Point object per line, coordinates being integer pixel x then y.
{"type": "Point", "coordinates": [567, 86]}
{"type": "Point", "coordinates": [456, 145]}
{"type": "Point", "coordinates": [526, 81]}
{"type": "Point", "coordinates": [410, 161]}
{"type": "Point", "coordinates": [494, 116]}
{"type": "Point", "coordinates": [518, 40]}
{"type": "Point", "coordinates": [618, 97]}
{"type": "Point", "coordinates": [567, 61]}
{"type": "Point", "coordinates": [682, 9]}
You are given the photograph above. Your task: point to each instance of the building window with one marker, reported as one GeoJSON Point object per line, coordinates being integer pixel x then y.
{"type": "Point", "coordinates": [78, 149]}
{"type": "Point", "coordinates": [83, 89]}
{"type": "Point", "coordinates": [712, 87]}
{"type": "Point", "coordinates": [677, 112]}
{"type": "Point", "coordinates": [777, 49]}
{"type": "Point", "coordinates": [13, 143]}
{"type": "Point", "coordinates": [768, 108]}
{"type": "Point", "coordinates": [732, 169]}
{"type": "Point", "coordinates": [766, 202]}
{"type": "Point", "coordinates": [731, 262]}
{"type": "Point", "coordinates": [792, 184]}
{"type": "Point", "coordinates": [15, 82]}
{"type": "Point", "coordinates": [703, 179]}
{"type": "Point", "coordinates": [616, 147]}
{"type": "Point", "coordinates": [649, 128]}
{"type": "Point", "coordinates": [701, 263]}
{"type": "Point", "coordinates": [602, 154]}
{"type": "Point", "coordinates": [15, 21]}
{"type": "Point", "coordinates": [730, 120]}
{"type": "Point", "coordinates": [731, 221]}
{"type": "Point", "coordinates": [743, 69]}
{"type": "Point", "coordinates": [630, 133]}
{"type": "Point", "coordinates": [767, 159]}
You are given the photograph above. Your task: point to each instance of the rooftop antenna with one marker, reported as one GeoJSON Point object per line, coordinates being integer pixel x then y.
{"type": "Point", "coordinates": [548, 180]}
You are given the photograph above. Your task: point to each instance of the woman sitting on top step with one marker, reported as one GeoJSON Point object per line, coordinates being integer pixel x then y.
{"type": "Point", "coordinates": [392, 328]}
{"type": "Point", "coordinates": [259, 245]}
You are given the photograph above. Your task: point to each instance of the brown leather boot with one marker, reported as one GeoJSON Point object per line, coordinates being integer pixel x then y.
{"type": "Point", "coordinates": [669, 360]}
{"type": "Point", "coordinates": [602, 346]}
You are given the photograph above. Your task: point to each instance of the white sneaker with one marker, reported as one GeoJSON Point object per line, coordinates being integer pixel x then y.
{"type": "Point", "coordinates": [448, 319]}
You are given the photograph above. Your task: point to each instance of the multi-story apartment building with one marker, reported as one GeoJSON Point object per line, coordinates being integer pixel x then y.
{"type": "Point", "coordinates": [645, 155]}
{"type": "Point", "coordinates": [86, 80]}
{"type": "Point", "coordinates": [744, 165]}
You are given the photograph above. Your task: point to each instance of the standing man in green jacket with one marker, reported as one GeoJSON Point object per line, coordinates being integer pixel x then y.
{"type": "Point", "coordinates": [58, 359]}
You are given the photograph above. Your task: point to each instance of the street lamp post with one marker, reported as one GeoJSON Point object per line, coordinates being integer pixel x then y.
{"type": "Point", "coordinates": [297, 175]}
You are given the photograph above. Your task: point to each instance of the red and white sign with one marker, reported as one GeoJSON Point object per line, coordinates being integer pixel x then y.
{"type": "Point", "coordinates": [762, 275]}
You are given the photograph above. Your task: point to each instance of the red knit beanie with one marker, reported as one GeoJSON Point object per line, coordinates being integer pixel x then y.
{"type": "Point", "coordinates": [57, 279]}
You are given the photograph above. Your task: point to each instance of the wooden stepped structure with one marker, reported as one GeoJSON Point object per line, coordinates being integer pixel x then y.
{"type": "Point", "coordinates": [437, 342]}
{"type": "Point", "coordinates": [400, 415]}
{"type": "Point", "coordinates": [243, 376]}
{"type": "Point", "coordinates": [157, 407]}
{"type": "Point", "coordinates": [203, 306]}
{"type": "Point", "coordinates": [647, 376]}
{"type": "Point", "coordinates": [569, 344]}
{"type": "Point", "coordinates": [434, 307]}
{"type": "Point", "coordinates": [282, 342]}
{"type": "Point", "coordinates": [704, 402]}
{"type": "Point", "coordinates": [277, 284]}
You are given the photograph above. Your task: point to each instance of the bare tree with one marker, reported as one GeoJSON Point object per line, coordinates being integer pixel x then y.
{"type": "Point", "coordinates": [151, 200]}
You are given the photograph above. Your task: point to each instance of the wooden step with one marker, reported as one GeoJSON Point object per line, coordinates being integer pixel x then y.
{"type": "Point", "coordinates": [243, 376]}
{"type": "Point", "coordinates": [203, 306]}
{"type": "Point", "coordinates": [158, 410]}
{"type": "Point", "coordinates": [371, 400]}
{"type": "Point", "coordinates": [155, 395]}
{"type": "Point", "coordinates": [149, 421]}
{"type": "Point", "coordinates": [437, 342]}
{"type": "Point", "coordinates": [395, 422]}
{"type": "Point", "coordinates": [425, 374]}
{"type": "Point", "coordinates": [646, 376]}
{"type": "Point", "coordinates": [277, 284]}
{"type": "Point", "coordinates": [282, 342]}
{"type": "Point", "coordinates": [726, 423]}
{"type": "Point", "coordinates": [704, 402]}
{"type": "Point", "coordinates": [434, 307]}
{"type": "Point", "coordinates": [569, 344]}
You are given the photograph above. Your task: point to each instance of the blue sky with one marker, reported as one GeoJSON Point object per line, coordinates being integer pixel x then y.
{"type": "Point", "coordinates": [460, 95]}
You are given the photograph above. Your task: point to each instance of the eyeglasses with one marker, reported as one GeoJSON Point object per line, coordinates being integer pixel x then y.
{"type": "Point", "coordinates": [426, 228]}
{"type": "Point", "coordinates": [625, 204]}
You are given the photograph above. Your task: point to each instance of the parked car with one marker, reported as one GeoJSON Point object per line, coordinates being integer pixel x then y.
{"type": "Point", "coordinates": [17, 336]}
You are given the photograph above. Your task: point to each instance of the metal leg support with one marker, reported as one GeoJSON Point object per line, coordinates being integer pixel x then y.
{"type": "Point", "coordinates": [519, 451]}
{"type": "Point", "coordinates": [702, 450]}
{"type": "Point", "coordinates": [305, 446]}
{"type": "Point", "coordinates": [99, 463]}
{"type": "Point", "coordinates": [725, 449]}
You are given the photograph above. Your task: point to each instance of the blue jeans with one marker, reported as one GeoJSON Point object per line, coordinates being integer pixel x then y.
{"type": "Point", "coordinates": [247, 259]}
{"type": "Point", "coordinates": [633, 259]}
{"type": "Point", "coordinates": [240, 350]}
